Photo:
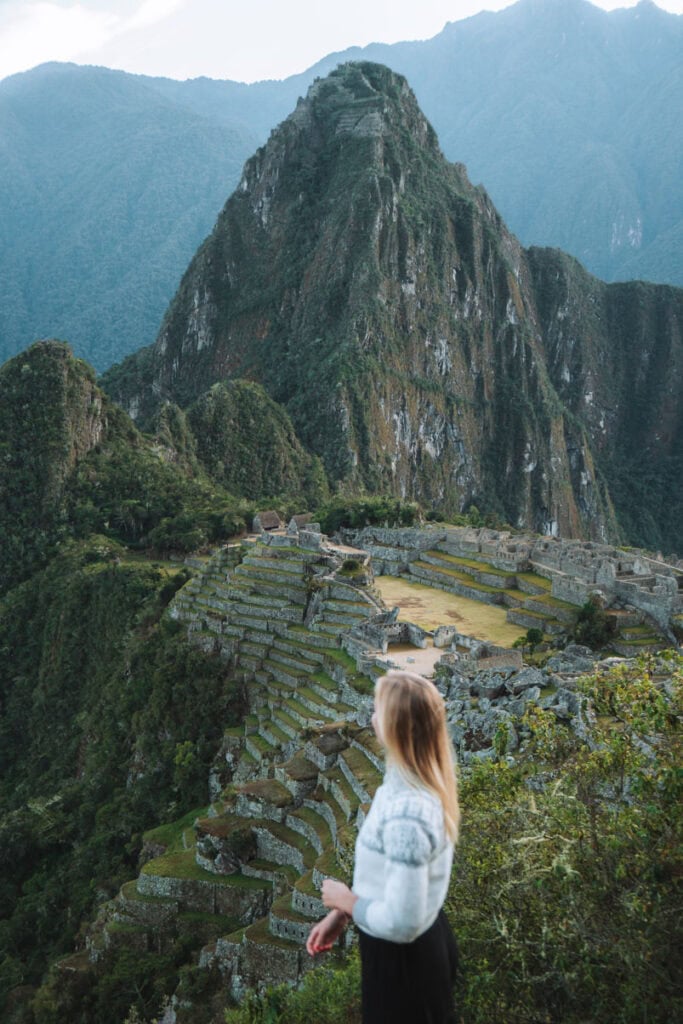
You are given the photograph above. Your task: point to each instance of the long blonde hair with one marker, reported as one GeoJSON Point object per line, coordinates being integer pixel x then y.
{"type": "Point", "coordinates": [412, 722]}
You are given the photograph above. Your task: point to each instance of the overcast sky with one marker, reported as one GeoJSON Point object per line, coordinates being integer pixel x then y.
{"type": "Point", "coordinates": [244, 40]}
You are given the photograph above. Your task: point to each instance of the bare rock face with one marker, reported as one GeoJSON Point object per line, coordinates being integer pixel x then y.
{"type": "Point", "coordinates": [418, 348]}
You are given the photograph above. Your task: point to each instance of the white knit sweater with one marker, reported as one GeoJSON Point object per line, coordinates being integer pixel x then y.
{"type": "Point", "coordinates": [403, 861]}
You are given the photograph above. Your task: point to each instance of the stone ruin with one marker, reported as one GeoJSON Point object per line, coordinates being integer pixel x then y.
{"type": "Point", "coordinates": [576, 569]}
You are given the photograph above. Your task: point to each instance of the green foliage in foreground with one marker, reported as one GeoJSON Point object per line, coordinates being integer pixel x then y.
{"type": "Point", "coordinates": [327, 996]}
{"type": "Point", "coordinates": [531, 639]}
{"type": "Point", "coordinates": [109, 721]}
{"type": "Point", "coordinates": [565, 896]}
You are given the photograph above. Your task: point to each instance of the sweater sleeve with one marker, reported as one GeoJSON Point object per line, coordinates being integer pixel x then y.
{"type": "Point", "coordinates": [400, 915]}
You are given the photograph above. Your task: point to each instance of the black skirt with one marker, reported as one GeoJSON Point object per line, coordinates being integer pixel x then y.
{"type": "Point", "coordinates": [412, 982]}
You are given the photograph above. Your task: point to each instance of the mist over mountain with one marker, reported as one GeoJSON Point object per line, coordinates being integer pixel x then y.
{"type": "Point", "coordinates": [107, 189]}
{"type": "Point", "coordinates": [417, 347]}
{"type": "Point", "coordinates": [568, 115]}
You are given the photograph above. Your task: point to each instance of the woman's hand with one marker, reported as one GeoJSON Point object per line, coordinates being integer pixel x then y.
{"type": "Point", "coordinates": [337, 896]}
{"type": "Point", "coordinates": [323, 935]}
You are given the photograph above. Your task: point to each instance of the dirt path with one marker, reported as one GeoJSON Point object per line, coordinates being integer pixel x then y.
{"type": "Point", "coordinates": [415, 659]}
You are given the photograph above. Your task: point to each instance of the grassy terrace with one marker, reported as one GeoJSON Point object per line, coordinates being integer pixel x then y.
{"type": "Point", "coordinates": [171, 835]}
{"type": "Point", "coordinates": [183, 865]}
{"type": "Point", "coordinates": [342, 658]}
{"type": "Point", "coordinates": [304, 884]}
{"type": "Point", "coordinates": [552, 602]}
{"type": "Point", "coordinates": [316, 822]}
{"type": "Point", "coordinates": [470, 563]}
{"type": "Point", "coordinates": [363, 769]}
{"type": "Point", "coordinates": [428, 607]}
{"type": "Point", "coordinates": [460, 577]}
{"type": "Point", "coordinates": [218, 923]}
{"type": "Point", "coordinates": [130, 892]}
{"type": "Point", "coordinates": [635, 632]}
{"type": "Point", "coordinates": [538, 581]}
{"type": "Point", "coordinates": [286, 870]}
{"type": "Point", "coordinates": [291, 838]}
{"type": "Point", "coordinates": [259, 932]}
{"type": "Point", "coordinates": [267, 789]}
{"type": "Point", "coordinates": [646, 641]}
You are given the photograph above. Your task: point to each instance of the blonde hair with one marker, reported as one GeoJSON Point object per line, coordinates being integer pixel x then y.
{"type": "Point", "coordinates": [412, 722]}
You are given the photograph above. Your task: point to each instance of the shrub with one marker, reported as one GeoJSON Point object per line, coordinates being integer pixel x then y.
{"type": "Point", "coordinates": [327, 996]}
{"type": "Point", "coordinates": [593, 628]}
{"type": "Point", "coordinates": [564, 892]}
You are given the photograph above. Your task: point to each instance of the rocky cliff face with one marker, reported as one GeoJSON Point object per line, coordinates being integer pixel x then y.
{"type": "Point", "coordinates": [417, 347]}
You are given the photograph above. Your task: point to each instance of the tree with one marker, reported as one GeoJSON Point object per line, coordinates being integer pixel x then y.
{"type": "Point", "coordinates": [531, 639]}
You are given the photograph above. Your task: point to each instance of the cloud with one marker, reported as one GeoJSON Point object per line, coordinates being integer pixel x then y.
{"type": "Point", "coordinates": [38, 31]}
{"type": "Point", "coordinates": [151, 12]}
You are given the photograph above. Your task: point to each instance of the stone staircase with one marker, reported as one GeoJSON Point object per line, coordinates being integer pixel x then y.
{"type": "Point", "coordinates": [303, 819]}
{"type": "Point", "coordinates": [251, 866]}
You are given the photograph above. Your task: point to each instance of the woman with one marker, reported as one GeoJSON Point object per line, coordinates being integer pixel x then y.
{"type": "Point", "coordinates": [404, 854]}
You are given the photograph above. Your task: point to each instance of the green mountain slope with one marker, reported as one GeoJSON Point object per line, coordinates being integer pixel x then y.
{"type": "Point", "coordinates": [109, 721]}
{"type": "Point", "coordinates": [74, 464]}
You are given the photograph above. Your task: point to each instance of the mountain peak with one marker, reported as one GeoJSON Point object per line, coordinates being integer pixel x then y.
{"type": "Point", "coordinates": [358, 99]}
{"type": "Point", "coordinates": [379, 297]}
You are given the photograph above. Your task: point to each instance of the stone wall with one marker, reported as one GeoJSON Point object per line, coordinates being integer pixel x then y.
{"type": "Point", "coordinates": [662, 602]}
{"type": "Point", "coordinates": [393, 550]}
{"type": "Point", "coordinates": [210, 897]}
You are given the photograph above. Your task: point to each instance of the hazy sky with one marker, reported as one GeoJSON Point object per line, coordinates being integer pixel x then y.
{"type": "Point", "coordinates": [244, 40]}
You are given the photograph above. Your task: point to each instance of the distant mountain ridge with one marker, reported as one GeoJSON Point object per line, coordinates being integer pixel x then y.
{"type": "Point", "coordinates": [417, 347]}
{"type": "Point", "coordinates": [567, 114]}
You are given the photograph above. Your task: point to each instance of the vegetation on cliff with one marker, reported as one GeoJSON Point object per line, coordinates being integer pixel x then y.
{"type": "Point", "coordinates": [247, 444]}
{"type": "Point", "coordinates": [109, 722]}
{"type": "Point", "coordinates": [109, 719]}
{"type": "Point", "coordinates": [72, 464]}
